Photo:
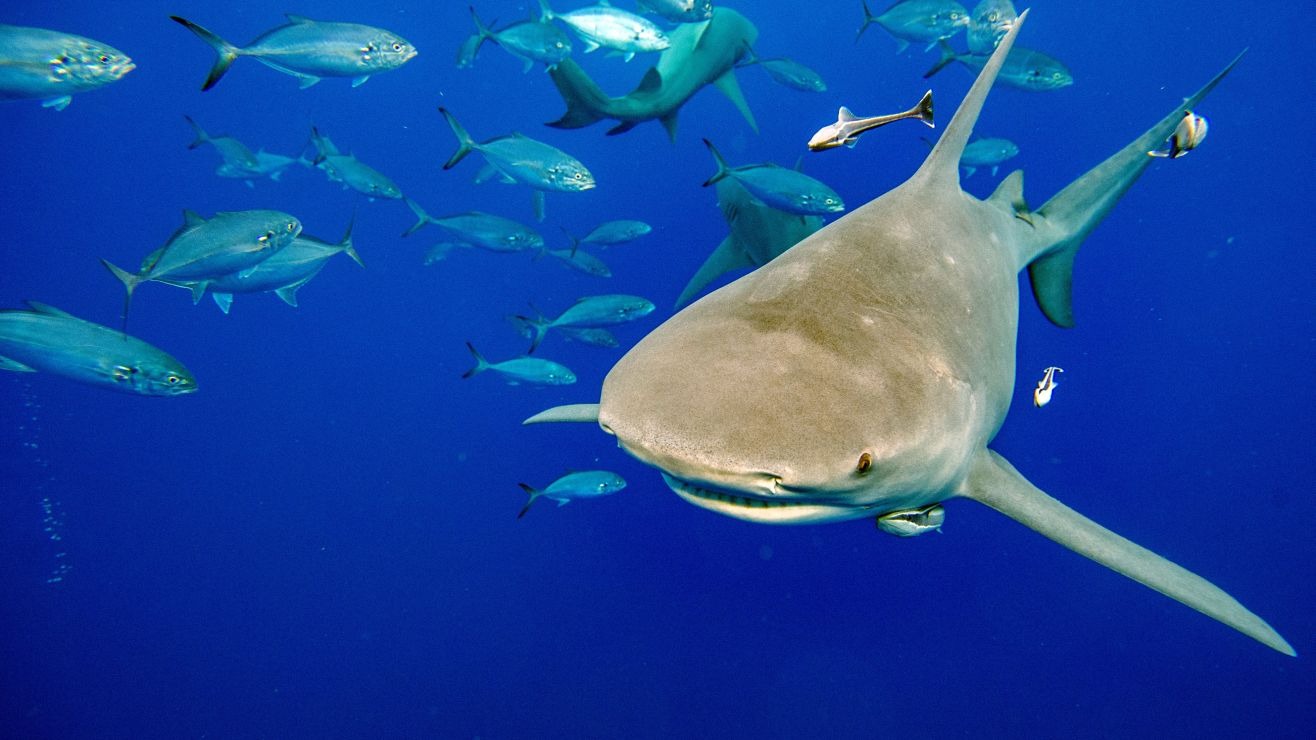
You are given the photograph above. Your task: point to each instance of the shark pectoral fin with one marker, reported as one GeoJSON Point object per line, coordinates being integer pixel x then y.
{"type": "Point", "coordinates": [994, 482]}
{"type": "Point", "coordinates": [728, 256]}
{"type": "Point", "coordinates": [622, 127]}
{"type": "Point", "coordinates": [14, 366]}
{"type": "Point", "coordinates": [575, 412]}
{"type": "Point", "coordinates": [1052, 278]}
{"type": "Point", "coordinates": [731, 88]}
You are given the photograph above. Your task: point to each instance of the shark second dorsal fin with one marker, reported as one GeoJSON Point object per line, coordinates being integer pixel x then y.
{"type": "Point", "coordinates": [942, 167]}
{"type": "Point", "coordinates": [1009, 196]}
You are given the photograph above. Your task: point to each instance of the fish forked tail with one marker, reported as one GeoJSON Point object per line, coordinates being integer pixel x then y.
{"type": "Point", "coordinates": [535, 328]}
{"type": "Point", "coordinates": [923, 111]}
{"type": "Point", "coordinates": [201, 136]}
{"type": "Point", "coordinates": [226, 53]}
{"type": "Point", "coordinates": [130, 282]}
{"type": "Point", "coordinates": [1065, 221]}
{"type": "Point", "coordinates": [481, 29]}
{"type": "Point", "coordinates": [586, 101]}
{"type": "Point", "coordinates": [465, 144]}
{"type": "Point", "coordinates": [948, 55]}
{"type": "Point", "coordinates": [869, 19]}
{"type": "Point", "coordinates": [534, 494]}
{"type": "Point", "coordinates": [722, 169]}
{"type": "Point", "coordinates": [546, 13]}
{"type": "Point", "coordinates": [422, 217]}
{"type": "Point", "coordinates": [345, 243]}
{"type": "Point", "coordinates": [481, 364]}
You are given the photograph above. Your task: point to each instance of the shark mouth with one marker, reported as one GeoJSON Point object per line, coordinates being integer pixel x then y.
{"type": "Point", "coordinates": [758, 508]}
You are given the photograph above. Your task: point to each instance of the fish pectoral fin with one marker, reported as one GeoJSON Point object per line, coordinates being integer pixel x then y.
{"type": "Point", "coordinates": [303, 80]}
{"type": "Point", "coordinates": [223, 300]}
{"type": "Point", "coordinates": [575, 412]}
{"type": "Point", "coordinates": [199, 291]}
{"type": "Point", "coordinates": [994, 482]}
{"type": "Point", "coordinates": [730, 87]}
{"type": "Point", "coordinates": [359, 81]}
{"type": "Point", "coordinates": [14, 366]}
{"type": "Point", "coordinates": [59, 103]}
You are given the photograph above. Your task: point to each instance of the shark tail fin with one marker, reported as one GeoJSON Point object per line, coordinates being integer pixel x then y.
{"type": "Point", "coordinates": [586, 101]}
{"type": "Point", "coordinates": [994, 482]}
{"type": "Point", "coordinates": [481, 364]}
{"type": "Point", "coordinates": [534, 493]}
{"type": "Point", "coordinates": [1075, 211]}
{"type": "Point", "coordinates": [942, 167]}
{"type": "Point", "coordinates": [201, 136]}
{"type": "Point", "coordinates": [226, 53]}
{"type": "Point", "coordinates": [465, 144]}
{"type": "Point", "coordinates": [130, 282]}
{"type": "Point", "coordinates": [722, 169]}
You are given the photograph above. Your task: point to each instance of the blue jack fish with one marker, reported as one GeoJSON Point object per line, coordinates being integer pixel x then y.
{"type": "Point", "coordinates": [52, 66]}
{"type": "Point", "coordinates": [575, 486]}
{"type": "Point", "coordinates": [46, 339]}
{"type": "Point", "coordinates": [786, 190]}
{"type": "Point", "coordinates": [919, 21]}
{"type": "Point", "coordinates": [1025, 69]}
{"type": "Point", "coordinates": [530, 41]}
{"type": "Point", "coordinates": [310, 50]}
{"type": "Point", "coordinates": [613, 28]}
{"type": "Point", "coordinates": [518, 370]}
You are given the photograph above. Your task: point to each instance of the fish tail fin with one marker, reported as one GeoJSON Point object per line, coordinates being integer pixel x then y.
{"type": "Point", "coordinates": [480, 29]}
{"type": "Point", "coordinates": [226, 53]}
{"type": "Point", "coordinates": [948, 55]}
{"type": "Point", "coordinates": [1067, 218]}
{"type": "Point", "coordinates": [923, 111]}
{"type": "Point", "coordinates": [586, 101]}
{"type": "Point", "coordinates": [575, 243]}
{"type": "Point", "coordinates": [130, 282]}
{"type": "Point", "coordinates": [422, 217]}
{"type": "Point", "coordinates": [722, 169]}
{"type": "Point", "coordinates": [346, 242]}
{"type": "Point", "coordinates": [545, 13]}
{"type": "Point", "coordinates": [869, 19]}
{"type": "Point", "coordinates": [201, 136]}
{"type": "Point", "coordinates": [481, 364]}
{"type": "Point", "coordinates": [539, 325]}
{"type": "Point", "coordinates": [994, 482]}
{"type": "Point", "coordinates": [534, 493]}
{"type": "Point", "coordinates": [465, 144]}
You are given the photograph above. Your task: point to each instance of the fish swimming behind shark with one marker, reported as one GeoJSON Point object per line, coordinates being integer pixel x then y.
{"type": "Point", "coordinates": [865, 371]}
{"type": "Point", "coordinates": [700, 54]}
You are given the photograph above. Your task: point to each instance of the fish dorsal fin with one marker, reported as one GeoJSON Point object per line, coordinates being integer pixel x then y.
{"type": "Point", "coordinates": [942, 167]}
{"type": "Point", "coordinates": [192, 218]}
{"type": "Point", "coordinates": [297, 19]}
{"type": "Point", "coordinates": [653, 80]}
{"type": "Point", "coordinates": [845, 116]}
{"type": "Point", "coordinates": [49, 310]}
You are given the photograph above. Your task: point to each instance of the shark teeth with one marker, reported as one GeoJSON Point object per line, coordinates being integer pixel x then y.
{"type": "Point", "coordinates": [713, 495]}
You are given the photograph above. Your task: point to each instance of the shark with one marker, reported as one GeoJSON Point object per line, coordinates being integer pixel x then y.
{"type": "Point", "coordinates": [700, 54]}
{"type": "Point", "coordinates": [865, 371]}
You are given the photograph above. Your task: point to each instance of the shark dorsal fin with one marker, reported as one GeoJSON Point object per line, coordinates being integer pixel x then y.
{"type": "Point", "coordinates": [942, 167]}
{"type": "Point", "coordinates": [844, 115]}
{"type": "Point", "coordinates": [653, 80]}
{"type": "Point", "coordinates": [192, 218]}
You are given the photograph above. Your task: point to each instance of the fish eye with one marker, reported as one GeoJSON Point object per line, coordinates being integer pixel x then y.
{"type": "Point", "coordinates": [105, 58]}
{"type": "Point", "coordinates": [291, 226]}
{"type": "Point", "coordinates": [173, 380]}
{"type": "Point", "coordinates": [1055, 75]}
{"type": "Point", "coordinates": [397, 46]}
{"type": "Point", "coordinates": [865, 463]}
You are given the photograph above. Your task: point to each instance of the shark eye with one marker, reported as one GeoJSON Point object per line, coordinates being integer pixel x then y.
{"type": "Point", "coordinates": [865, 463]}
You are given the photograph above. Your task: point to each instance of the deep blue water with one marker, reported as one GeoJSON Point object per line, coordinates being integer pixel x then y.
{"type": "Point", "coordinates": [322, 542]}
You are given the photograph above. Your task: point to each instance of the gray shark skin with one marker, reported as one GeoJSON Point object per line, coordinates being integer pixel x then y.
{"type": "Point", "coordinates": [700, 54]}
{"type": "Point", "coordinates": [866, 369]}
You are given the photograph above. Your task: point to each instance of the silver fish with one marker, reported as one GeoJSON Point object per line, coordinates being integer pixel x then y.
{"type": "Point", "coordinates": [310, 50]}
{"type": "Point", "coordinates": [591, 312]}
{"type": "Point", "coordinates": [591, 336]}
{"type": "Point", "coordinates": [518, 158]}
{"type": "Point", "coordinates": [987, 153]}
{"type": "Point", "coordinates": [203, 250]}
{"type": "Point", "coordinates": [237, 157]}
{"type": "Point", "coordinates": [531, 41]}
{"type": "Point", "coordinates": [988, 24]}
{"type": "Point", "coordinates": [52, 66]}
{"type": "Point", "coordinates": [283, 273]}
{"type": "Point", "coordinates": [479, 229]}
{"type": "Point", "coordinates": [621, 231]}
{"type": "Point", "coordinates": [788, 73]}
{"type": "Point", "coordinates": [1024, 69]}
{"type": "Point", "coordinates": [46, 339]}
{"type": "Point", "coordinates": [350, 171]}
{"type": "Point", "coordinates": [612, 28]}
{"type": "Point", "coordinates": [529, 370]}
{"type": "Point", "coordinates": [575, 486]}
{"type": "Point", "coordinates": [679, 11]}
{"type": "Point", "coordinates": [848, 126]}
{"type": "Point", "coordinates": [787, 190]}
{"type": "Point", "coordinates": [919, 21]}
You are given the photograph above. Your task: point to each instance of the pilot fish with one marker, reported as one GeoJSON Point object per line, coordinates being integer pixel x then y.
{"type": "Point", "coordinates": [52, 66]}
{"type": "Point", "coordinates": [310, 50]}
{"type": "Point", "coordinates": [46, 339]}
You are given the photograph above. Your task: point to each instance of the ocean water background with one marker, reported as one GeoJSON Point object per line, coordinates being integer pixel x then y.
{"type": "Point", "coordinates": [322, 541]}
